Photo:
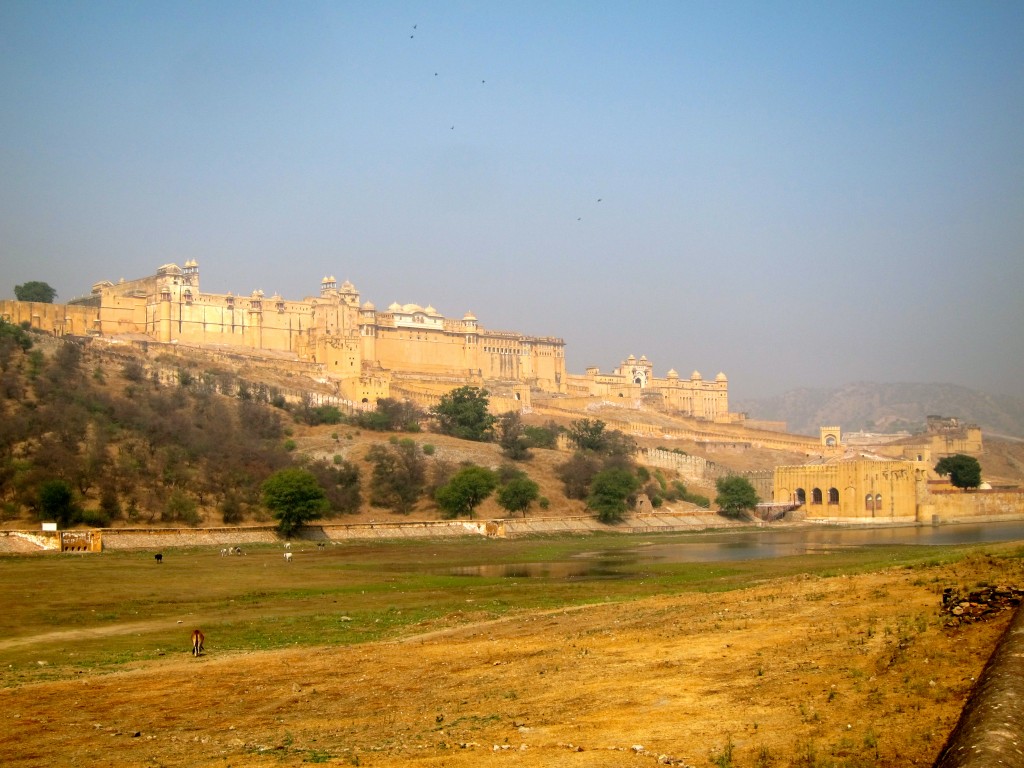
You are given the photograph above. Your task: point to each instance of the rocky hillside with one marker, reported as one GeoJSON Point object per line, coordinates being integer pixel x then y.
{"type": "Point", "coordinates": [888, 408]}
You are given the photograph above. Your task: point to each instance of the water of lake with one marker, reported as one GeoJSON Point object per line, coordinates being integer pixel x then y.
{"type": "Point", "coordinates": [754, 544]}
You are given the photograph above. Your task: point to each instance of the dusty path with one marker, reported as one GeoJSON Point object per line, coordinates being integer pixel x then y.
{"type": "Point", "coordinates": [846, 670]}
{"type": "Point", "coordinates": [71, 635]}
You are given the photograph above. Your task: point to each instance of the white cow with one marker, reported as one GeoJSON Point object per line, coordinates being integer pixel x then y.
{"type": "Point", "coordinates": [287, 545]}
{"type": "Point", "coordinates": [287, 557]}
{"type": "Point", "coordinates": [223, 553]}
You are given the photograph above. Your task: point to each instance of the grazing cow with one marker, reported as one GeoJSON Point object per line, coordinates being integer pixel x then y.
{"type": "Point", "coordinates": [223, 553]}
{"type": "Point", "coordinates": [158, 557]}
{"type": "Point", "coordinates": [198, 638]}
{"type": "Point", "coordinates": [238, 551]}
{"type": "Point", "coordinates": [320, 545]}
{"type": "Point", "coordinates": [287, 545]}
{"type": "Point", "coordinates": [287, 557]}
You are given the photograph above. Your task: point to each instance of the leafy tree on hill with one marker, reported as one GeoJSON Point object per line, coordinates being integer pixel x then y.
{"type": "Point", "coordinates": [399, 475]}
{"type": "Point", "coordinates": [512, 436]}
{"type": "Point", "coordinates": [57, 502]}
{"type": "Point", "coordinates": [542, 437]}
{"type": "Point", "coordinates": [517, 494]}
{"type": "Point", "coordinates": [466, 491]}
{"type": "Point", "coordinates": [10, 335]}
{"type": "Point", "coordinates": [294, 497]}
{"type": "Point", "coordinates": [587, 434]}
{"type": "Point", "coordinates": [391, 416]}
{"type": "Point", "coordinates": [611, 493]}
{"type": "Point", "coordinates": [577, 473]}
{"type": "Point", "coordinates": [35, 290]}
{"type": "Point", "coordinates": [964, 471]}
{"type": "Point", "coordinates": [463, 413]}
{"type": "Point", "coordinates": [736, 496]}
{"type": "Point", "coordinates": [341, 484]}
{"type": "Point", "coordinates": [591, 435]}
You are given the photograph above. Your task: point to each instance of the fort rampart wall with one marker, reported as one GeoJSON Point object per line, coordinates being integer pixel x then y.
{"type": "Point", "coordinates": [705, 432]}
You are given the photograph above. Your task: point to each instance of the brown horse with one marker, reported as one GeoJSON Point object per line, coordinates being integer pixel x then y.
{"type": "Point", "coordinates": [197, 642]}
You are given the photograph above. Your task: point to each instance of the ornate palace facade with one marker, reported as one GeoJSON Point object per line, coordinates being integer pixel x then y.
{"type": "Point", "coordinates": [365, 350]}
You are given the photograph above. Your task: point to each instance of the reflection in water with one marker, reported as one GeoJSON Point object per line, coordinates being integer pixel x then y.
{"type": "Point", "coordinates": [604, 568]}
{"type": "Point", "coordinates": [747, 545]}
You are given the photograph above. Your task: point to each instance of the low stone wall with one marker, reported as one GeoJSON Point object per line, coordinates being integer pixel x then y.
{"type": "Point", "coordinates": [963, 506]}
{"type": "Point", "coordinates": [991, 728]}
{"type": "Point", "coordinates": [161, 538]}
{"type": "Point", "coordinates": [158, 538]}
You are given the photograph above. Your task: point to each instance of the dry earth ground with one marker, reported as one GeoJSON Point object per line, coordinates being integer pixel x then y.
{"type": "Point", "coordinates": [846, 671]}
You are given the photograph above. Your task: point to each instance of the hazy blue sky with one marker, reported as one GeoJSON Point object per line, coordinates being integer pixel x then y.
{"type": "Point", "coordinates": [798, 194]}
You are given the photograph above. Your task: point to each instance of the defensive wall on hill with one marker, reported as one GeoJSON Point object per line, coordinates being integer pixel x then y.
{"type": "Point", "coordinates": [701, 432]}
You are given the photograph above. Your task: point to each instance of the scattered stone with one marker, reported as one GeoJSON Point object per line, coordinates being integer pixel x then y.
{"type": "Point", "coordinates": [979, 605]}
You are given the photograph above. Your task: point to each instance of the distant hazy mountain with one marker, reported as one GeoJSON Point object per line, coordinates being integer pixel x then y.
{"type": "Point", "coordinates": [887, 408]}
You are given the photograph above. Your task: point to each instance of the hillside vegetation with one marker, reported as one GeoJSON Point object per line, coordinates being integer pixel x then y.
{"type": "Point", "coordinates": [109, 436]}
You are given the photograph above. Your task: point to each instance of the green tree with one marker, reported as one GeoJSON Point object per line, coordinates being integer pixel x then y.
{"type": "Point", "coordinates": [466, 491]}
{"type": "Point", "coordinates": [56, 502]}
{"type": "Point", "coordinates": [391, 416]}
{"type": "Point", "coordinates": [294, 497]}
{"type": "Point", "coordinates": [231, 509]}
{"type": "Point", "coordinates": [542, 437]}
{"type": "Point", "coordinates": [512, 436]}
{"type": "Point", "coordinates": [463, 413]}
{"type": "Point", "coordinates": [180, 507]}
{"type": "Point", "coordinates": [964, 471]}
{"type": "Point", "coordinates": [586, 434]}
{"type": "Point", "coordinates": [577, 473]}
{"type": "Point", "coordinates": [611, 492]}
{"type": "Point", "coordinates": [340, 482]}
{"type": "Point", "coordinates": [591, 435]}
{"type": "Point", "coordinates": [399, 475]}
{"type": "Point", "coordinates": [11, 333]}
{"type": "Point", "coordinates": [35, 290]}
{"type": "Point", "coordinates": [517, 494]}
{"type": "Point", "coordinates": [736, 496]}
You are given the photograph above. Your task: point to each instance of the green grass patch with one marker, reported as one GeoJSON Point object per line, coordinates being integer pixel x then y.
{"type": "Point", "coordinates": [83, 614]}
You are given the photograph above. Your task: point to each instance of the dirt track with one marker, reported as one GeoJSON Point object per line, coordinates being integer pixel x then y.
{"type": "Point", "coordinates": [844, 671]}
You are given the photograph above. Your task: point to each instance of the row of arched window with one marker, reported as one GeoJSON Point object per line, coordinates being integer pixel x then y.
{"type": "Point", "coordinates": [816, 496]}
{"type": "Point", "coordinates": [872, 502]}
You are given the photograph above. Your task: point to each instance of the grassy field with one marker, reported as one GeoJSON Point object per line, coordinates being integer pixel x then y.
{"type": "Point", "coordinates": [62, 616]}
{"type": "Point", "coordinates": [567, 651]}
